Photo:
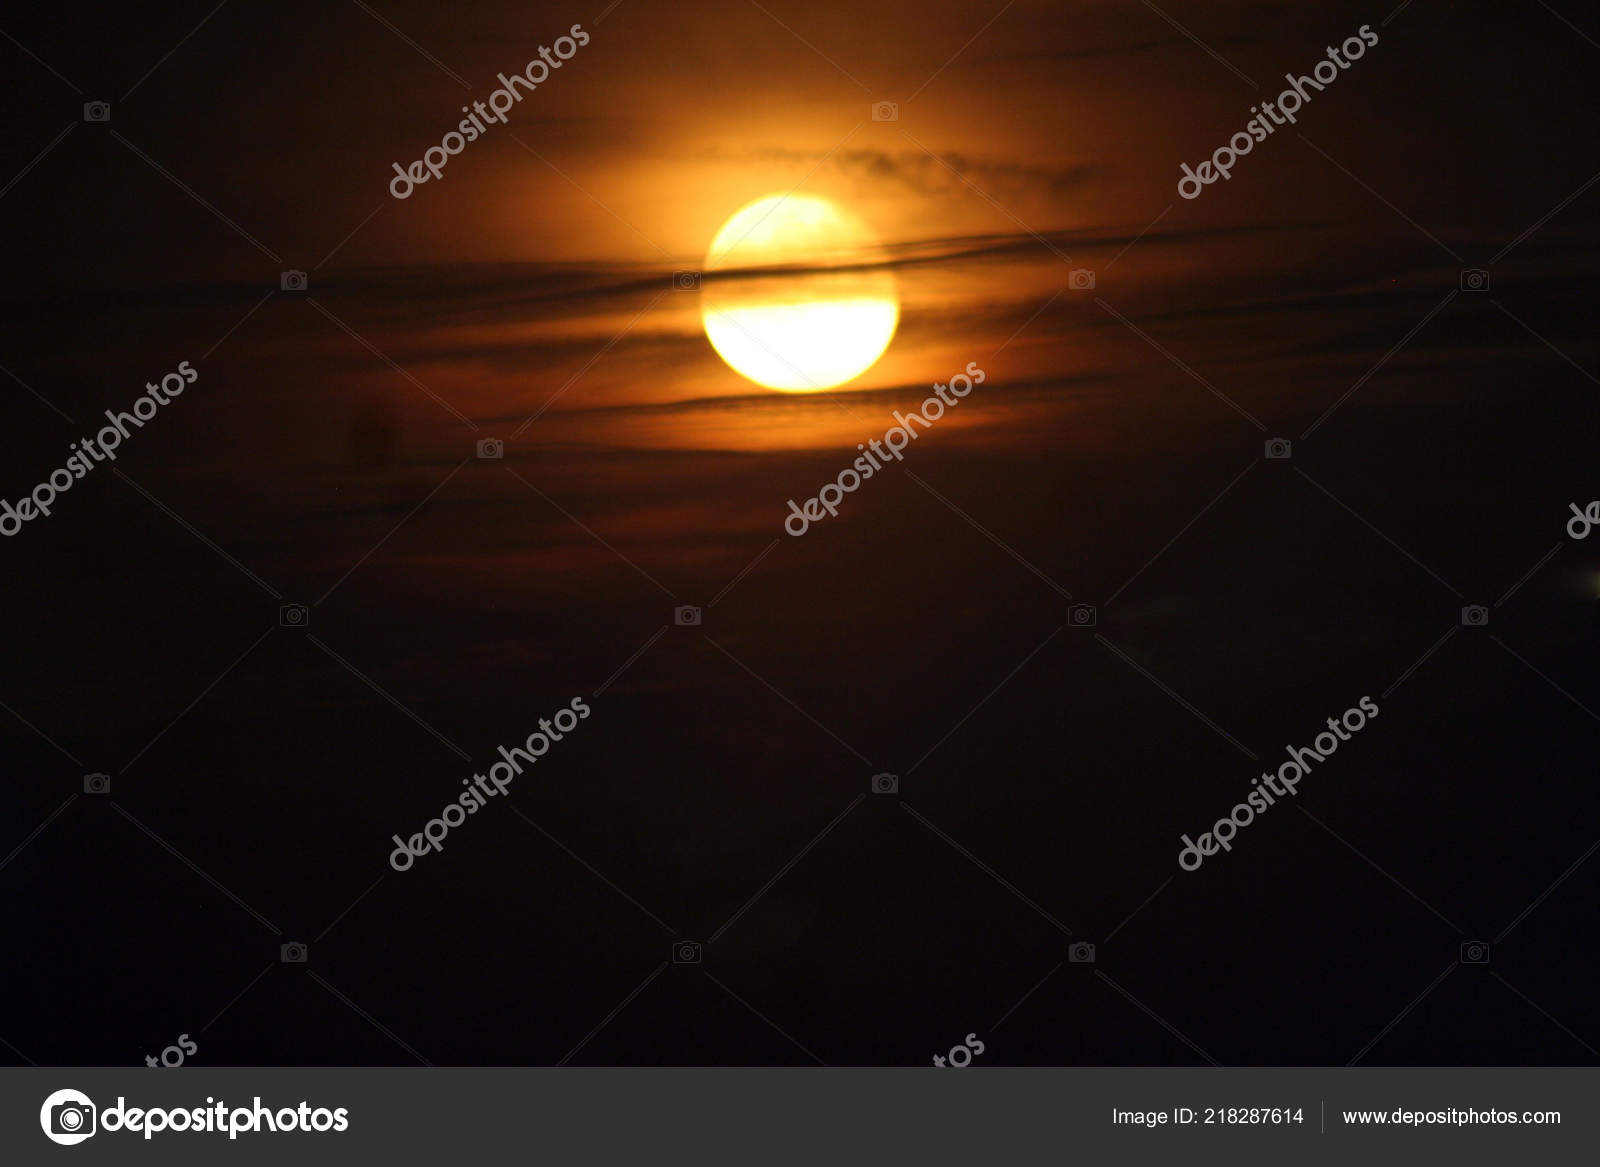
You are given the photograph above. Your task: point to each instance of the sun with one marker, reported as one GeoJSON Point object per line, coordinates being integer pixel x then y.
{"type": "Point", "coordinates": [801, 303]}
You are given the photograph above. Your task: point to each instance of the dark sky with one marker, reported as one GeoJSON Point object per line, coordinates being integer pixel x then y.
{"type": "Point", "coordinates": [327, 457]}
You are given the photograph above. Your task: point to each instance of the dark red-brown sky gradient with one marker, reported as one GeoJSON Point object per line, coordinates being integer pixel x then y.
{"type": "Point", "coordinates": [1112, 457]}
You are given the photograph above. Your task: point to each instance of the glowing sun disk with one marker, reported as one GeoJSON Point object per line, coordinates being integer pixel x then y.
{"type": "Point", "coordinates": [801, 332]}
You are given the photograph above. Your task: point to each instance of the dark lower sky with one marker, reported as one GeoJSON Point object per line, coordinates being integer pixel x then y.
{"type": "Point", "coordinates": [442, 465]}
